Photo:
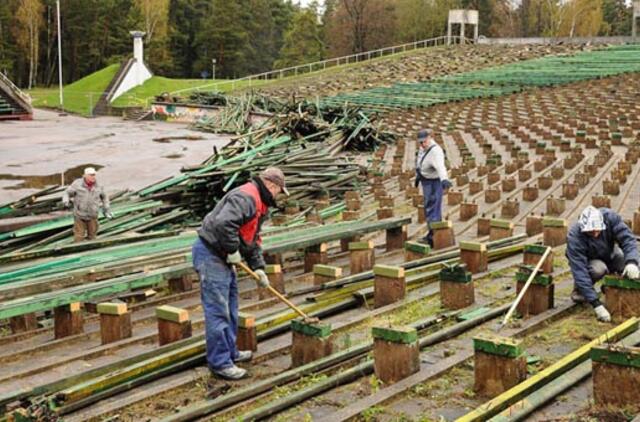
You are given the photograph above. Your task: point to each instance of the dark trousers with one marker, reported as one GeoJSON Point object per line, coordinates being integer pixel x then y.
{"type": "Point", "coordinates": [219, 294]}
{"type": "Point", "coordinates": [433, 193]}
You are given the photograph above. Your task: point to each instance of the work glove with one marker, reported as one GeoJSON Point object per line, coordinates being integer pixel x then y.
{"type": "Point", "coordinates": [234, 258]}
{"type": "Point", "coordinates": [631, 271]}
{"type": "Point", "coordinates": [446, 184]}
{"type": "Point", "coordinates": [66, 203]}
{"type": "Point", "coordinates": [602, 314]}
{"type": "Point", "coordinates": [108, 214]}
{"type": "Point", "coordinates": [264, 280]}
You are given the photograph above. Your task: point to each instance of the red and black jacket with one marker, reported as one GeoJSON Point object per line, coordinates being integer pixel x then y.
{"type": "Point", "coordinates": [235, 222]}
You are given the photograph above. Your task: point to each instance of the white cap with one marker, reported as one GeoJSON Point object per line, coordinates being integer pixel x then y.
{"type": "Point", "coordinates": [89, 170]}
{"type": "Point", "coordinates": [591, 220]}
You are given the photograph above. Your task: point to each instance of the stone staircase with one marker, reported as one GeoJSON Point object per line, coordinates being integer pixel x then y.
{"type": "Point", "coordinates": [136, 113]}
{"type": "Point", "coordinates": [103, 106]}
{"type": "Point", "coordinates": [14, 104]}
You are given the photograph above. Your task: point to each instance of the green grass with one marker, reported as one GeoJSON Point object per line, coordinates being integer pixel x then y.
{"type": "Point", "coordinates": [142, 95]}
{"type": "Point", "coordinates": [79, 97]}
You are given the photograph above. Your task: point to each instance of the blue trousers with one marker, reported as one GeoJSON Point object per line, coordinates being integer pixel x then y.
{"type": "Point", "coordinates": [219, 294]}
{"type": "Point", "coordinates": [432, 192]}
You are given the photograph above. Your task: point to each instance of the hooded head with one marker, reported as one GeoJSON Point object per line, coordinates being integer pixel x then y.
{"type": "Point", "coordinates": [591, 221]}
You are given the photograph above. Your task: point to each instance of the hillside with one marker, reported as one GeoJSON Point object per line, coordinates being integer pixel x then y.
{"type": "Point", "coordinates": [79, 97]}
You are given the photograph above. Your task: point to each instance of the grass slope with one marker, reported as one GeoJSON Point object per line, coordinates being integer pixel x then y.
{"type": "Point", "coordinates": [79, 97]}
{"type": "Point", "coordinates": [142, 95]}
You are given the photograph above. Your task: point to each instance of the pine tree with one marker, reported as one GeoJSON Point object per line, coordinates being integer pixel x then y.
{"type": "Point", "coordinates": [303, 42]}
{"type": "Point", "coordinates": [8, 46]}
{"type": "Point", "coordinates": [221, 37]}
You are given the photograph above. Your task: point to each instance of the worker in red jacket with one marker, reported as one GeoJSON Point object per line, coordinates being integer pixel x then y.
{"type": "Point", "coordinates": [228, 234]}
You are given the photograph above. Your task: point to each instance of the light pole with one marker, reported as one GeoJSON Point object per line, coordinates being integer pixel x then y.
{"type": "Point", "coordinates": [213, 69]}
{"type": "Point", "coordinates": [59, 56]}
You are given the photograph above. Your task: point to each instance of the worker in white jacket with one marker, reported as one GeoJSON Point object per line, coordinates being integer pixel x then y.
{"type": "Point", "coordinates": [431, 173]}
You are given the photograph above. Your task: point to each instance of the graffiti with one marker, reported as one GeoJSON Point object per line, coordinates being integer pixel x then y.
{"type": "Point", "coordinates": [185, 113]}
{"type": "Point", "coordinates": [182, 113]}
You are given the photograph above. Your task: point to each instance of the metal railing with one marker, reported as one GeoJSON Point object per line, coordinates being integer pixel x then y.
{"type": "Point", "coordinates": [17, 91]}
{"type": "Point", "coordinates": [336, 61]}
{"type": "Point", "coordinates": [91, 98]}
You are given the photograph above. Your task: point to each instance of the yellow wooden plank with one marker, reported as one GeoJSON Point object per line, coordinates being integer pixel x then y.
{"type": "Point", "coordinates": [171, 313]}
{"type": "Point", "coordinates": [501, 402]}
{"type": "Point", "coordinates": [112, 308]}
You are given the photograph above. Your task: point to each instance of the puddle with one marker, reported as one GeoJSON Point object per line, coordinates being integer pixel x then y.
{"type": "Point", "coordinates": [43, 181]}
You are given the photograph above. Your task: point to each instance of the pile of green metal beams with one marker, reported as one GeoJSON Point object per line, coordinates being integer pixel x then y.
{"type": "Point", "coordinates": [28, 274]}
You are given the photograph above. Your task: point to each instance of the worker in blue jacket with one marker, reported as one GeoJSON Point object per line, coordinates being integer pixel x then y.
{"type": "Point", "coordinates": [600, 243]}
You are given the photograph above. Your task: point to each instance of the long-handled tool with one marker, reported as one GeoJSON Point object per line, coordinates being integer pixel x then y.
{"type": "Point", "coordinates": [524, 289]}
{"type": "Point", "coordinates": [307, 318]}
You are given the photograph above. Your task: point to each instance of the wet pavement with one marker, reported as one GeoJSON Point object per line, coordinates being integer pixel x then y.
{"type": "Point", "coordinates": [52, 148]}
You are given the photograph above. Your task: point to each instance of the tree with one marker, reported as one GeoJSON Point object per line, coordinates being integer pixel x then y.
{"type": "Point", "coordinates": [153, 15]}
{"type": "Point", "coordinates": [355, 26]}
{"type": "Point", "coordinates": [185, 21]}
{"type": "Point", "coordinates": [506, 23]}
{"type": "Point", "coordinates": [583, 18]}
{"type": "Point", "coordinates": [616, 15]}
{"type": "Point", "coordinates": [8, 50]}
{"type": "Point", "coordinates": [95, 33]}
{"type": "Point", "coordinates": [303, 41]}
{"type": "Point", "coordinates": [261, 25]}
{"type": "Point", "coordinates": [497, 17]}
{"type": "Point", "coordinates": [422, 19]}
{"type": "Point", "coordinates": [27, 33]}
{"type": "Point", "coordinates": [221, 37]}
{"type": "Point", "coordinates": [283, 12]}
{"type": "Point", "coordinates": [540, 18]}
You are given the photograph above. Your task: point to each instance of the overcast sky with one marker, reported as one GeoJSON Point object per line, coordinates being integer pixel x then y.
{"type": "Point", "coordinates": [306, 2]}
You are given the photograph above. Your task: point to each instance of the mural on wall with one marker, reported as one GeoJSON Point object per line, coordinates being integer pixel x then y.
{"type": "Point", "coordinates": [182, 113]}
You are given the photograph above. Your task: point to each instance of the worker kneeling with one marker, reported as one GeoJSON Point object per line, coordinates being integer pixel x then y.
{"type": "Point", "coordinates": [600, 243]}
{"type": "Point", "coordinates": [230, 232]}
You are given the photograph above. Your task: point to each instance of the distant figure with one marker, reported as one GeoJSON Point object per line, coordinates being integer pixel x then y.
{"type": "Point", "coordinates": [598, 244]}
{"type": "Point", "coordinates": [87, 196]}
{"type": "Point", "coordinates": [431, 173]}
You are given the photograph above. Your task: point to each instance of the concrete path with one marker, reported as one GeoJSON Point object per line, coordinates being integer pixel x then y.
{"type": "Point", "coordinates": [34, 154]}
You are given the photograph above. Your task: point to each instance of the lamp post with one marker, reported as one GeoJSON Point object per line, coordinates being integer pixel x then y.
{"type": "Point", "coordinates": [213, 69]}
{"type": "Point", "coordinates": [59, 56]}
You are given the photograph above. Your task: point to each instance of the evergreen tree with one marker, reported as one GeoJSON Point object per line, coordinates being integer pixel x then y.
{"type": "Point", "coordinates": [8, 50]}
{"type": "Point", "coordinates": [221, 37]}
{"type": "Point", "coordinates": [303, 42]}
{"type": "Point", "coordinates": [95, 33]}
